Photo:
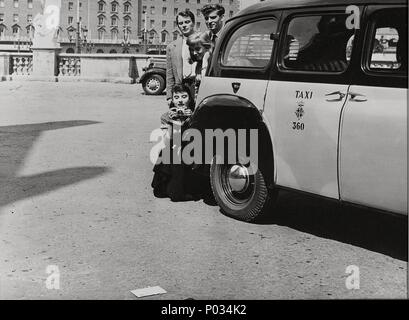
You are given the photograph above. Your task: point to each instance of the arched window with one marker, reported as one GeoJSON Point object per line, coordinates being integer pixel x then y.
{"type": "Point", "coordinates": [100, 51]}
{"type": "Point", "coordinates": [16, 30]}
{"type": "Point", "coordinates": [164, 37]}
{"type": "Point", "coordinates": [114, 34]}
{"type": "Point", "coordinates": [101, 34]}
{"type": "Point", "coordinates": [112, 51]}
{"type": "Point", "coordinates": [126, 21]}
{"type": "Point", "coordinates": [101, 6]}
{"type": "Point", "coordinates": [70, 50]}
{"type": "Point", "coordinates": [2, 31]}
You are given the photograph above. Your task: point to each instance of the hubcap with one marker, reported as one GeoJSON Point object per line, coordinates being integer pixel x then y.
{"type": "Point", "coordinates": [153, 84]}
{"type": "Point", "coordinates": [238, 178]}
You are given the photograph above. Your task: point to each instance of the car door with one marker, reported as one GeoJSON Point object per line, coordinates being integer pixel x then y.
{"type": "Point", "coordinates": [373, 142]}
{"type": "Point", "coordinates": [305, 97]}
{"type": "Point", "coordinates": [242, 61]}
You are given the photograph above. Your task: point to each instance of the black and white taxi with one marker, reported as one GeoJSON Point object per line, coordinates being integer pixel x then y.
{"type": "Point", "coordinates": [325, 84]}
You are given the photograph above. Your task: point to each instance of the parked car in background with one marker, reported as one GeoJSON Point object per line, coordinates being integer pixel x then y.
{"type": "Point", "coordinates": [153, 79]}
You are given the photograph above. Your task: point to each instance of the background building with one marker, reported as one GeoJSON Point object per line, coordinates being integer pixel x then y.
{"type": "Point", "coordinates": [158, 19]}
{"type": "Point", "coordinates": [104, 26]}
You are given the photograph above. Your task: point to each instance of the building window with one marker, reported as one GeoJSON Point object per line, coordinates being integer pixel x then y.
{"type": "Point", "coordinates": [16, 31]}
{"type": "Point", "coordinates": [70, 6]}
{"type": "Point", "coordinates": [1, 3]}
{"type": "Point", "coordinates": [101, 20]}
{"type": "Point", "coordinates": [101, 6]}
{"type": "Point", "coordinates": [2, 32]}
{"type": "Point", "coordinates": [152, 10]}
{"type": "Point", "coordinates": [114, 21]}
{"type": "Point", "coordinates": [1, 17]}
{"type": "Point", "coordinates": [198, 12]}
{"type": "Point", "coordinates": [126, 22]}
{"type": "Point", "coordinates": [175, 25]}
{"type": "Point", "coordinates": [114, 7]}
{"type": "Point", "coordinates": [163, 23]}
{"type": "Point", "coordinates": [29, 18]}
{"type": "Point", "coordinates": [175, 36]}
{"type": "Point", "coordinates": [152, 23]}
{"type": "Point", "coordinates": [15, 17]}
{"type": "Point", "coordinates": [15, 3]}
{"type": "Point", "coordinates": [198, 1]}
{"type": "Point", "coordinates": [175, 11]}
{"type": "Point", "coordinates": [231, 14]}
{"type": "Point", "coordinates": [101, 34]}
{"type": "Point", "coordinates": [187, 1]}
{"type": "Point", "coordinates": [126, 7]}
{"type": "Point", "coordinates": [70, 20]}
{"type": "Point", "coordinates": [114, 35]}
{"type": "Point", "coordinates": [163, 37]}
{"type": "Point", "coordinates": [30, 4]}
{"type": "Point", "coordinates": [144, 9]}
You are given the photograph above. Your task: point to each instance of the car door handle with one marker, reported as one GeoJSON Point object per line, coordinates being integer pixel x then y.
{"type": "Point", "coordinates": [357, 97]}
{"type": "Point", "coordinates": [340, 94]}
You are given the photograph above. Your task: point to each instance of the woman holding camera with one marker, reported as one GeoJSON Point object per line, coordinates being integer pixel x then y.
{"type": "Point", "coordinates": [172, 177]}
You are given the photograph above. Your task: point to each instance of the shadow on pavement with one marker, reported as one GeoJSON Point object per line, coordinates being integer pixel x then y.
{"type": "Point", "coordinates": [15, 142]}
{"type": "Point", "coordinates": [365, 228]}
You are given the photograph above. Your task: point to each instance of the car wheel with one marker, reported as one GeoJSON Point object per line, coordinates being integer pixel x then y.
{"type": "Point", "coordinates": [154, 85]}
{"type": "Point", "coordinates": [240, 191]}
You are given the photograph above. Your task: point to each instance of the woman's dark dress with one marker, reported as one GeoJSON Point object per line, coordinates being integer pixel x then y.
{"type": "Point", "coordinates": [173, 180]}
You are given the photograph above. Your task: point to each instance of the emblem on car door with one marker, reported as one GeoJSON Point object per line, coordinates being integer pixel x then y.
{"type": "Point", "coordinates": [235, 86]}
{"type": "Point", "coordinates": [300, 110]}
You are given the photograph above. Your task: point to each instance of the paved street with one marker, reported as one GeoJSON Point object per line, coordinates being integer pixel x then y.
{"type": "Point", "coordinates": [75, 193]}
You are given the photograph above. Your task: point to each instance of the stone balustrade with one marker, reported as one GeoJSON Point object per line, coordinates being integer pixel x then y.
{"type": "Point", "coordinates": [69, 66]}
{"type": "Point", "coordinates": [21, 64]}
{"type": "Point", "coordinates": [123, 68]}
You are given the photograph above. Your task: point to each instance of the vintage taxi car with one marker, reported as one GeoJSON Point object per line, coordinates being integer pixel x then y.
{"type": "Point", "coordinates": [330, 106]}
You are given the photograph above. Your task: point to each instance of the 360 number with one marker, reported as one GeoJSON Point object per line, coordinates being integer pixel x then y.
{"type": "Point", "coordinates": [298, 126]}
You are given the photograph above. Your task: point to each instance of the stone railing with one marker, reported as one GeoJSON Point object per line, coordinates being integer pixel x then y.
{"type": "Point", "coordinates": [69, 66]}
{"type": "Point", "coordinates": [123, 68]}
{"type": "Point", "coordinates": [21, 64]}
{"type": "Point", "coordinates": [126, 68]}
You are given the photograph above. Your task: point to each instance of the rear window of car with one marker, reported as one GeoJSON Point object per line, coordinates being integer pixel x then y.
{"type": "Point", "coordinates": [388, 45]}
{"type": "Point", "coordinates": [318, 43]}
{"type": "Point", "coordinates": [250, 45]}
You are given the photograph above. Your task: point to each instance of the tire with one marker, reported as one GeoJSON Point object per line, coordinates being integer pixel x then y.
{"type": "Point", "coordinates": [249, 203]}
{"type": "Point", "coordinates": [154, 85]}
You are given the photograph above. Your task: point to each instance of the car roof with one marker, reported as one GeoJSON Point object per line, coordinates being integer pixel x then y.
{"type": "Point", "coordinates": [287, 4]}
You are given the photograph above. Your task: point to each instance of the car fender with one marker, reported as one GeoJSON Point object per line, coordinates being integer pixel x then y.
{"type": "Point", "coordinates": [149, 72]}
{"type": "Point", "coordinates": [206, 114]}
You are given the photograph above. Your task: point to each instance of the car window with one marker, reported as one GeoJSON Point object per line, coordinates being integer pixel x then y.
{"type": "Point", "coordinates": [388, 44]}
{"type": "Point", "coordinates": [318, 43]}
{"type": "Point", "coordinates": [250, 45]}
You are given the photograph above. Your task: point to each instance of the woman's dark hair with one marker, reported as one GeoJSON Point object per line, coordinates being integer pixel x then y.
{"type": "Point", "coordinates": [183, 88]}
{"type": "Point", "coordinates": [186, 14]}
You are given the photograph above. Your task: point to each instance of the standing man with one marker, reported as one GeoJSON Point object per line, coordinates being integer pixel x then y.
{"type": "Point", "coordinates": [179, 67]}
{"type": "Point", "coordinates": [213, 15]}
